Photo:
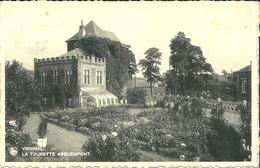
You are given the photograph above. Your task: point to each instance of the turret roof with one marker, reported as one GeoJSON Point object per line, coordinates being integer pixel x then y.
{"type": "Point", "coordinates": [93, 30]}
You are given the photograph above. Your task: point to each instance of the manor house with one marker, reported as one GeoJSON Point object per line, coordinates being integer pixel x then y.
{"type": "Point", "coordinates": [76, 78]}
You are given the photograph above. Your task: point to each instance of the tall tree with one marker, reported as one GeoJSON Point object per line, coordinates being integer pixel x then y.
{"type": "Point", "coordinates": [21, 93]}
{"type": "Point", "coordinates": [150, 66]}
{"type": "Point", "coordinates": [189, 67]}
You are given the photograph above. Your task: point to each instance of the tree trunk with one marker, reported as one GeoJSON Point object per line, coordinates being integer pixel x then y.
{"type": "Point", "coordinates": [151, 89]}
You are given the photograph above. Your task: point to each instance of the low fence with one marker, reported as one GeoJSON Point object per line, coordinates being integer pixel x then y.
{"type": "Point", "coordinates": [231, 109]}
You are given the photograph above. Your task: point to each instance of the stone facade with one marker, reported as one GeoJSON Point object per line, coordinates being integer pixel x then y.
{"type": "Point", "coordinates": [67, 81]}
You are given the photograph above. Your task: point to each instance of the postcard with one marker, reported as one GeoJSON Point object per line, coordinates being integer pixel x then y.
{"type": "Point", "coordinates": [129, 84]}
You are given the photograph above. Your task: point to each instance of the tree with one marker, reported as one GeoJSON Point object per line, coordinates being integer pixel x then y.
{"type": "Point", "coordinates": [21, 92]}
{"type": "Point", "coordinates": [120, 61]}
{"type": "Point", "coordinates": [189, 67]}
{"type": "Point", "coordinates": [150, 68]}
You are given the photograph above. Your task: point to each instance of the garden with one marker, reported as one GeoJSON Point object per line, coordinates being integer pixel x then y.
{"type": "Point", "coordinates": [179, 132]}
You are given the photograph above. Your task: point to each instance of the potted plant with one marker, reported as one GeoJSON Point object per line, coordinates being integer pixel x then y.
{"type": "Point", "coordinates": [42, 131]}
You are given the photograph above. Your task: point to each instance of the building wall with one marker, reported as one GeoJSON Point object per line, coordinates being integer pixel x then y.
{"type": "Point", "coordinates": [57, 94]}
{"type": "Point", "coordinates": [93, 64]}
{"type": "Point", "coordinates": [62, 94]}
{"type": "Point", "coordinates": [238, 78]}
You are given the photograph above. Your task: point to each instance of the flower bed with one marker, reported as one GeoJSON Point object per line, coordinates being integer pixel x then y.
{"type": "Point", "coordinates": [180, 131]}
{"type": "Point", "coordinates": [88, 120]}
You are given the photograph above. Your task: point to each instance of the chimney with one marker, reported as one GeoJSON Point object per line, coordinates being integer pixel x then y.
{"type": "Point", "coordinates": [81, 30]}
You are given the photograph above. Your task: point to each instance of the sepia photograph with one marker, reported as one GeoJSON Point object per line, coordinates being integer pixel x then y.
{"type": "Point", "coordinates": [100, 82]}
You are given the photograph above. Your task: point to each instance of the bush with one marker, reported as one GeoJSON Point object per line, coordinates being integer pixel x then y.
{"type": "Point", "coordinates": [245, 125]}
{"type": "Point", "coordinates": [105, 148]}
{"type": "Point", "coordinates": [223, 142]}
{"type": "Point", "coordinates": [65, 118]}
{"type": "Point", "coordinates": [83, 130]}
{"type": "Point", "coordinates": [52, 115]}
{"type": "Point", "coordinates": [21, 121]}
{"type": "Point", "coordinates": [136, 96]}
{"type": "Point", "coordinates": [42, 129]}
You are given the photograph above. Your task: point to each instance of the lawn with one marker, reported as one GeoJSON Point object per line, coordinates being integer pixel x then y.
{"type": "Point", "coordinates": [62, 139]}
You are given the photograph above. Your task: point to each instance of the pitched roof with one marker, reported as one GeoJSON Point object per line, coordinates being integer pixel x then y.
{"type": "Point", "coordinates": [93, 30]}
{"type": "Point", "coordinates": [245, 69]}
{"type": "Point", "coordinates": [75, 52]}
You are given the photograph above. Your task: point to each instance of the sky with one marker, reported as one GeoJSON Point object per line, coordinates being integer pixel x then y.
{"type": "Point", "coordinates": [225, 31]}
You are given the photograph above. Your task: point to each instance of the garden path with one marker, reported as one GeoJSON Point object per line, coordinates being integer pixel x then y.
{"type": "Point", "coordinates": [62, 139]}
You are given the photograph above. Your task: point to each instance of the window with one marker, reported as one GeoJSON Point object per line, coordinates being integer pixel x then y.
{"type": "Point", "coordinates": [86, 76]}
{"type": "Point", "coordinates": [43, 78]}
{"type": "Point", "coordinates": [55, 77]}
{"type": "Point", "coordinates": [99, 77]}
{"type": "Point", "coordinates": [243, 85]}
{"type": "Point", "coordinates": [68, 77]}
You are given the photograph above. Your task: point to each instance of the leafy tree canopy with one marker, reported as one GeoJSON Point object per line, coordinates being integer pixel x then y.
{"type": "Point", "coordinates": [21, 93]}
{"type": "Point", "coordinates": [120, 62]}
{"type": "Point", "coordinates": [190, 71]}
{"type": "Point", "coordinates": [150, 65]}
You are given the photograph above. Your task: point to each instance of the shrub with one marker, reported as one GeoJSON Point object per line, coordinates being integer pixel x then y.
{"type": "Point", "coordinates": [223, 142]}
{"type": "Point", "coordinates": [82, 122]}
{"type": "Point", "coordinates": [83, 130]}
{"type": "Point", "coordinates": [21, 121]}
{"type": "Point", "coordinates": [136, 96]}
{"type": "Point", "coordinates": [65, 118]}
{"type": "Point", "coordinates": [42, 129]}
{"type": "Point", "coordinates": [245, 125]}
{"type": "Point", "coordinates": [104, 148]}
{"type": "Point", "coordinates": [52, 115]}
